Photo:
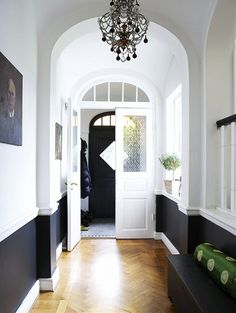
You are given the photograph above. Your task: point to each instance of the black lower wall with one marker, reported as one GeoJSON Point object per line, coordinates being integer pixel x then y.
{"type": "Point", "coordinates": [61, 216]}
{"type": "Point", "coordinates": [29, 254]}
{"type": "Point", "coordinates": [51, 230]}
{"type": "Point", "coordinates": [186, 232]}
{"type": "Point", "coordinates": [18, 269]}
{"type": "Point", "coordinates": [172, 223]}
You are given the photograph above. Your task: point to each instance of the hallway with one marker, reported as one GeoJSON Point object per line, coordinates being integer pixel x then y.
{"type": "Point", "coordinates": [109, 276]}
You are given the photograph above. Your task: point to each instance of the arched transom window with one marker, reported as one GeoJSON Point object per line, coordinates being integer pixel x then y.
{"type": "Point", "coordinates": [115, 91]}
{"type": "Point", "coordinates": [104, 119]}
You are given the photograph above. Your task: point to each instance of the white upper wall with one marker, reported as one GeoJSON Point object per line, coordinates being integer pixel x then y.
{"type": "Point", "coordinates": [58, 22]}
{"type": "Point", "coordinates": [18, 163]}
{"type": "Point", "coordinates": [219, 90]}
{"type": "Point", "coordinates": [88, 54]}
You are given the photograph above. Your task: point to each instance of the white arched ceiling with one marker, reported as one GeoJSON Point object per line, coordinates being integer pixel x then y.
{"type": "Point", "coordinates": [88, 57]}
{"type": "Point", "coordinates": [80, 59]}
{"type": "Point", "coordinates": [189, 17]}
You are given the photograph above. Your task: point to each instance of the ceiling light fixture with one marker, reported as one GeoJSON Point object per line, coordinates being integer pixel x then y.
{"type": "Point", "coordinates": [123, 28]}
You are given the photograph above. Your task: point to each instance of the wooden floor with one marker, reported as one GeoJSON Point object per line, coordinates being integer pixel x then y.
{"type": "Point", "coordinates": [110, 276]}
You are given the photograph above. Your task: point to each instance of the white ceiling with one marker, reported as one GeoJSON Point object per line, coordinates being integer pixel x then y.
{"type": "Point", "coordinates": [88, 54]}
{"type": "Point", "coordinates": [191, 17]}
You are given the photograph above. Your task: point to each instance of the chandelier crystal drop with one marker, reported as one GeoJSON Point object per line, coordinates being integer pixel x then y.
{"type": "Point", "coordinates": [123, 28]}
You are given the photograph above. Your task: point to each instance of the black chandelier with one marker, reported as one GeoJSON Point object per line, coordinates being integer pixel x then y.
{"type": "Point", "coordinates": [123, 28]}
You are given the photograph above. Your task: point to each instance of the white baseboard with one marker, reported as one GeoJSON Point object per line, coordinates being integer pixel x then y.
{"type": "Point", "coordinates": [29, 299]}
{"type": "Point", "coordinates": [59, 251]}
{"type": "Point", "coordinates": [157, 236]}
{"type": "Point", "coordinates": [169, 245]}
{"type": "Point", "coordinates": [166, 241]}
{"type": "Point", "coordinates": [49, 284]}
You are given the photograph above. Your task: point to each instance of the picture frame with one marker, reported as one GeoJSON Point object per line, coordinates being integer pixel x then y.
{"type": "Point", "coordinates": [11, 84]}
{"type": "Point", "coordinates": [58, 141]}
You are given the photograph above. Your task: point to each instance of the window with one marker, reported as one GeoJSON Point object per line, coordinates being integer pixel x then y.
{"type": "Point", "coordinates": [115, 91]}
{"type": "Point", "coordinates": [105, 120]}
{"type": "Point", "coordinates": [174, 127]}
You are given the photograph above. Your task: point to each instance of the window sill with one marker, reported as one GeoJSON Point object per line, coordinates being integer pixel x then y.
{"type": "Point", "coordinates": [174, 198]}
{"type": "Point", "coordinates": [221, 218]}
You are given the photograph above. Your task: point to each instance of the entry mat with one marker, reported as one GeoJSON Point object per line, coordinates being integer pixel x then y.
{"type": "Point", "coordinates": [100, 227]}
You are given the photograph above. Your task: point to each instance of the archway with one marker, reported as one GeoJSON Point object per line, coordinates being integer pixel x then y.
{"type": "Point", "coordinates": [65, 60]}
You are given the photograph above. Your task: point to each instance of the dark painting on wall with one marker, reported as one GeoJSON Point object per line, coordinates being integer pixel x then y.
{"type": "Point", "coordinates": [58, 141]}
{"type": "Point", "coordinates": [10, 103]}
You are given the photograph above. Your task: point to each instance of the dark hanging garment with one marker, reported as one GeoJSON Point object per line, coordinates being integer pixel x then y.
{"type": "Point", "coordinates": [86, 185]}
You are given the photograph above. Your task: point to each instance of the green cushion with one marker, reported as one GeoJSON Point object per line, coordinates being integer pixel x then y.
{"type": "Point", "coordinates": [219, 266]}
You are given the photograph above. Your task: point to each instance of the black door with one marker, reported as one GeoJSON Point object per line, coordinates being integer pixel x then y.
{"type": "Point", "coordinates": [102, 197]}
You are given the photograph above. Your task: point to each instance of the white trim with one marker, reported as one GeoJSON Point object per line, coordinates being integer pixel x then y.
{"type": "Point", "coordinates": [232, 170]}
{"type": "Point", "coordinates": [159, 192]}
{"type": "Point", "coordinates": [171, 197]}
{"type": "Point", "coordinates": [7, 230]}
{"type": "Point", "coordinates": [157, 236]}
{"type": "Point", "coordinates": [59, 251]}
{"type": "Point", "coordinates": [223, 189]}
{"type": "Point", "coordinates": [234, 77]}
{"type": "Point", "coordinates": [114, 104]}
{"type": "Point", "coordinates": [169, 245]}
{"type": "Point", "coordinates": [49, 284]}
{"type": "Point", "coordinates": [190, 211]}
{"type": "Point", "coordinates": [220, 218]}
{"type": "Point", "coordinates": [29, 299]}
{"type": "Point", "coordinates": [166, 241]}
{"type": "Point", "coordinates": [47, 211]}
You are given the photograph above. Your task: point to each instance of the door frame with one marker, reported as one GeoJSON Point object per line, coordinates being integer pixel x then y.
{"type": "Point", "coordinates": [98, 129]}
{"type": "Point", "coordinates": [73, 190]}
{"type": "Point", "coordinates": [124, 105]}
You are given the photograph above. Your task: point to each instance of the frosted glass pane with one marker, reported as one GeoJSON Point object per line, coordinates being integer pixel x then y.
{"type": "Point", "coordinates": [102, 92]}
{"type": "Point", "coordinates": [129, 93]}
{"type": "Point", "coordinates": [142, 97]}
{"type": "Point", "coordinates": [98, 122]}
{"type": "Point", "coordinates": [89, 96]}
{"type": "Point", "coordinates": [106, 121]}
{"type": "Point", "coordinates": [116, 91]}
{"type": "Point", "coordinates": [134, 143]}
{"type": "Point", "coordinates": [113, 120]}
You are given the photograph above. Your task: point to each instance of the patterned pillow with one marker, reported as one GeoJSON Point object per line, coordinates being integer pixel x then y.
{"type": "Point", "coordinates": [220, 267]}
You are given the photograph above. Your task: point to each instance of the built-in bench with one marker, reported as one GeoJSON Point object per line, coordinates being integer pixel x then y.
{"type": "Point", "coordinates": [192, 290]}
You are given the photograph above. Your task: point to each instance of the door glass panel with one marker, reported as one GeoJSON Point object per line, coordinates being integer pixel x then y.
{"type": "Point", "coordinates": [106, 121]}
{"type": "Point", "coordinates": [134, 143]}
{"type": "Point", "coordinates": [75, 140]}
{"type": "Point", "coordinates": [113, 120]}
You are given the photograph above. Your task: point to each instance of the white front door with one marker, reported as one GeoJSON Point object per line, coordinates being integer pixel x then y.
{"type": "Point", "coordinates": [73, 177]}
{"type": "Point", "coordinates": [135, 202]}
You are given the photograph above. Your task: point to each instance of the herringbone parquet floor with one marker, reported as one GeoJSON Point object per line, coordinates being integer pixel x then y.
{"type": "Point", "coordinates": [110, 276]}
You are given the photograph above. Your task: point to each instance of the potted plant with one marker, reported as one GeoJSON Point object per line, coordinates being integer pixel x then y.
{"type": "Point", "coordinates": [170, 162]}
